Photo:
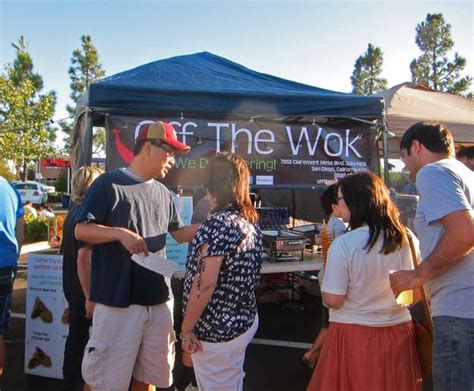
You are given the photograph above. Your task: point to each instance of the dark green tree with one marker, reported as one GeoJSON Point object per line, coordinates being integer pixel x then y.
{"type": "Point", "coordinates": [22, 66]}
{"type": "Point", "coordinates": [366, 78]}
{"type": "Point", "coordinates": [85, 69]}
{"type": "Point", "coordinates": [433, 68]}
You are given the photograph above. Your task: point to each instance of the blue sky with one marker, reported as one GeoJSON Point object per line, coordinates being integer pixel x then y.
{"type": "Point", "coordinates": [313, 42]}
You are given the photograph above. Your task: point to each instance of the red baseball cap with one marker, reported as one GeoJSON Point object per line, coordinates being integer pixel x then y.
{"type": "Point", "coordinates": [162, 131]}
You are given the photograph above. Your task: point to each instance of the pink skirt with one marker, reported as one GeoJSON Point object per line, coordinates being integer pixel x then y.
{"type": "Point", "coordinates": [365, 358]}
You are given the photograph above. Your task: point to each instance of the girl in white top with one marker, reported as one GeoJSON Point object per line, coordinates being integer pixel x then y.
{"type": "Point", "coordinates": [370, 341]}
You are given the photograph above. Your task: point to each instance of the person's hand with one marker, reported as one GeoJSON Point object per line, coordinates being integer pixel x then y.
{"type": "Point", "coordinates": [403, 280]}
{"type": "Point", "coordinates": [312, 355]}
{"type": "Point", "coordinates": [133, 242]}
{"type": "Point", "coordinates": [190, 344]}
{"type": "Point", "coordinates": [90, 305]}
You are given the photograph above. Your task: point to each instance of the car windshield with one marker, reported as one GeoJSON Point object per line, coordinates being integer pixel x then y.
{"type": "Point", "coordinates": [26, 186]}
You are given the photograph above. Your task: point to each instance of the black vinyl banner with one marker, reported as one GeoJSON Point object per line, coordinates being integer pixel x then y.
{"type": "Point", "coordinates": [279, 154]}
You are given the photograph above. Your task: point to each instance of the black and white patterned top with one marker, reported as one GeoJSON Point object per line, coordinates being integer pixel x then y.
{"type": "Point", "coordinates": [233, 306]}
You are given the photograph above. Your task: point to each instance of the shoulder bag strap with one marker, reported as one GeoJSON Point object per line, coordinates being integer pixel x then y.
{"type": "Point", "coordinates": [428, 323]}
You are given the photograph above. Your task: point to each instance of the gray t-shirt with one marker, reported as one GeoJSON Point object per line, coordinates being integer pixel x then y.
{"type": "Point", "coordinates": [446, 187]}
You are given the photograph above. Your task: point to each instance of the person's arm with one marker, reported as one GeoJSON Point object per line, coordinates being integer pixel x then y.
{"type": "Point", "coordinates": [84, 256]}
{"type": "Point", "coordinates": [20, 233]}
{"type": "Point", "coordinates": [457, 241]}
{"type": "Point", "coordinates": [92, 233]}
{"type": "Point", "coordinates": [185, 234]}
{"type": "Point", "coordinates": [332, 300]}
{"type": "Point", "coordinates": [336, 276]}
{"type": "Point", "coordinates": [209, 274]}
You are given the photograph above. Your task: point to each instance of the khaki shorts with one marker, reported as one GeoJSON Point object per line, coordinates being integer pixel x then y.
{"type": "Point", "coordinates": [136, 341]}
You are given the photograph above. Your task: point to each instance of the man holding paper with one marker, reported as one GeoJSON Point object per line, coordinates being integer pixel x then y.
{"type": "Point", "coordinates": [127, 212]}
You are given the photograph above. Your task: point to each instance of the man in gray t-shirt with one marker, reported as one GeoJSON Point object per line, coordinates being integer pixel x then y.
{"type": "Point", "coordinates": [444, 223]}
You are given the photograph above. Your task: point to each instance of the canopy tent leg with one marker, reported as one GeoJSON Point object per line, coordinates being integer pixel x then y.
{"type": "Point", "coordinates": [386, 167]}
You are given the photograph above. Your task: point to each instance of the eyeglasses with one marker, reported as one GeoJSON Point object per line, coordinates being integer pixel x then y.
{"type": "Point", "coordinates": [160, 144]}
{"type": "Point", "coordinates": [339, 198]}
{"type": "Point", "coordinates": [403, 154]}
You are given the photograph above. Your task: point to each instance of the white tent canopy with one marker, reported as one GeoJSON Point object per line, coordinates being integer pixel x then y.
{"type": "Point", "coordinates": [409, 103]}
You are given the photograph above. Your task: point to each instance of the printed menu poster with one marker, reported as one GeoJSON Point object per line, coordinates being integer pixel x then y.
{"type": "Point", "coordinates": [174, 251]}
{"type": "Point", "coordinates": [47, 316]}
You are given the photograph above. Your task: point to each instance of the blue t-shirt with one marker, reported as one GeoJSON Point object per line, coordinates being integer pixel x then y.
{"type": "Point", "coordinates": [11, 210]}
{"type": "Point", "coordinates": [120, 199]}
{"type": "Point", "coordinates": [336, 227]}
{"type": "Point", "coordinates": [446, 187]}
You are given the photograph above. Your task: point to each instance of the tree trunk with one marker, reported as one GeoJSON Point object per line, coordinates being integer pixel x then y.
{"type": "Point", "coordinates": [25, 171]}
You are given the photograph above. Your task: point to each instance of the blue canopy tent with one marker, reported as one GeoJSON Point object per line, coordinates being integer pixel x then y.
{"type": "Point", "coordinates": [205, 86]}
{"type": "Point", "coordinates": [204, 83]}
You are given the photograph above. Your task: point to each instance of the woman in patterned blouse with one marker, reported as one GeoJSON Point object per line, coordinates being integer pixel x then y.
{"type": "Point", "coordinates": [222, 271]}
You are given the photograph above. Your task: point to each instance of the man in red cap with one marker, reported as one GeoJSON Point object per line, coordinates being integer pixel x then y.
{"type": "Point", "coordinates": [126, 212]}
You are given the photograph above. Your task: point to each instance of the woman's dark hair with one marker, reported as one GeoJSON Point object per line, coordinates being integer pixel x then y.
{"type": "Point", "coordinates": [369, 202]}
{"type": "Point", "coordinates": [229, 182]}
{"type": "Point", "coordinates": [465, 152]}
{"type": "Point", "coordinates": [329, 198]}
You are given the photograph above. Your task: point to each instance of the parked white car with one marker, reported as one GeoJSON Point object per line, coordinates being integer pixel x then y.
{"type": "Point", "coordinates": [49, 189]}
{"type": "Point", "coordinates": [32, 191]}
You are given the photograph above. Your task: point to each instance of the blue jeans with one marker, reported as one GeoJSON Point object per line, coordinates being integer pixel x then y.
{"type": "Point", "coordinates": [7, 277]}
{"type": "Point", "coordinates": [453, 354]}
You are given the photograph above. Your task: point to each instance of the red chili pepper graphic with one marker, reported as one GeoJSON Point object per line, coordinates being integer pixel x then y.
{"type": "Point", "coordinates": [124, 152]}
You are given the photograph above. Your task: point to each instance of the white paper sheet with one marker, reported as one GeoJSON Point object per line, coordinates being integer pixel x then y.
{"type": "Point", "coordinates": [156, 264]}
